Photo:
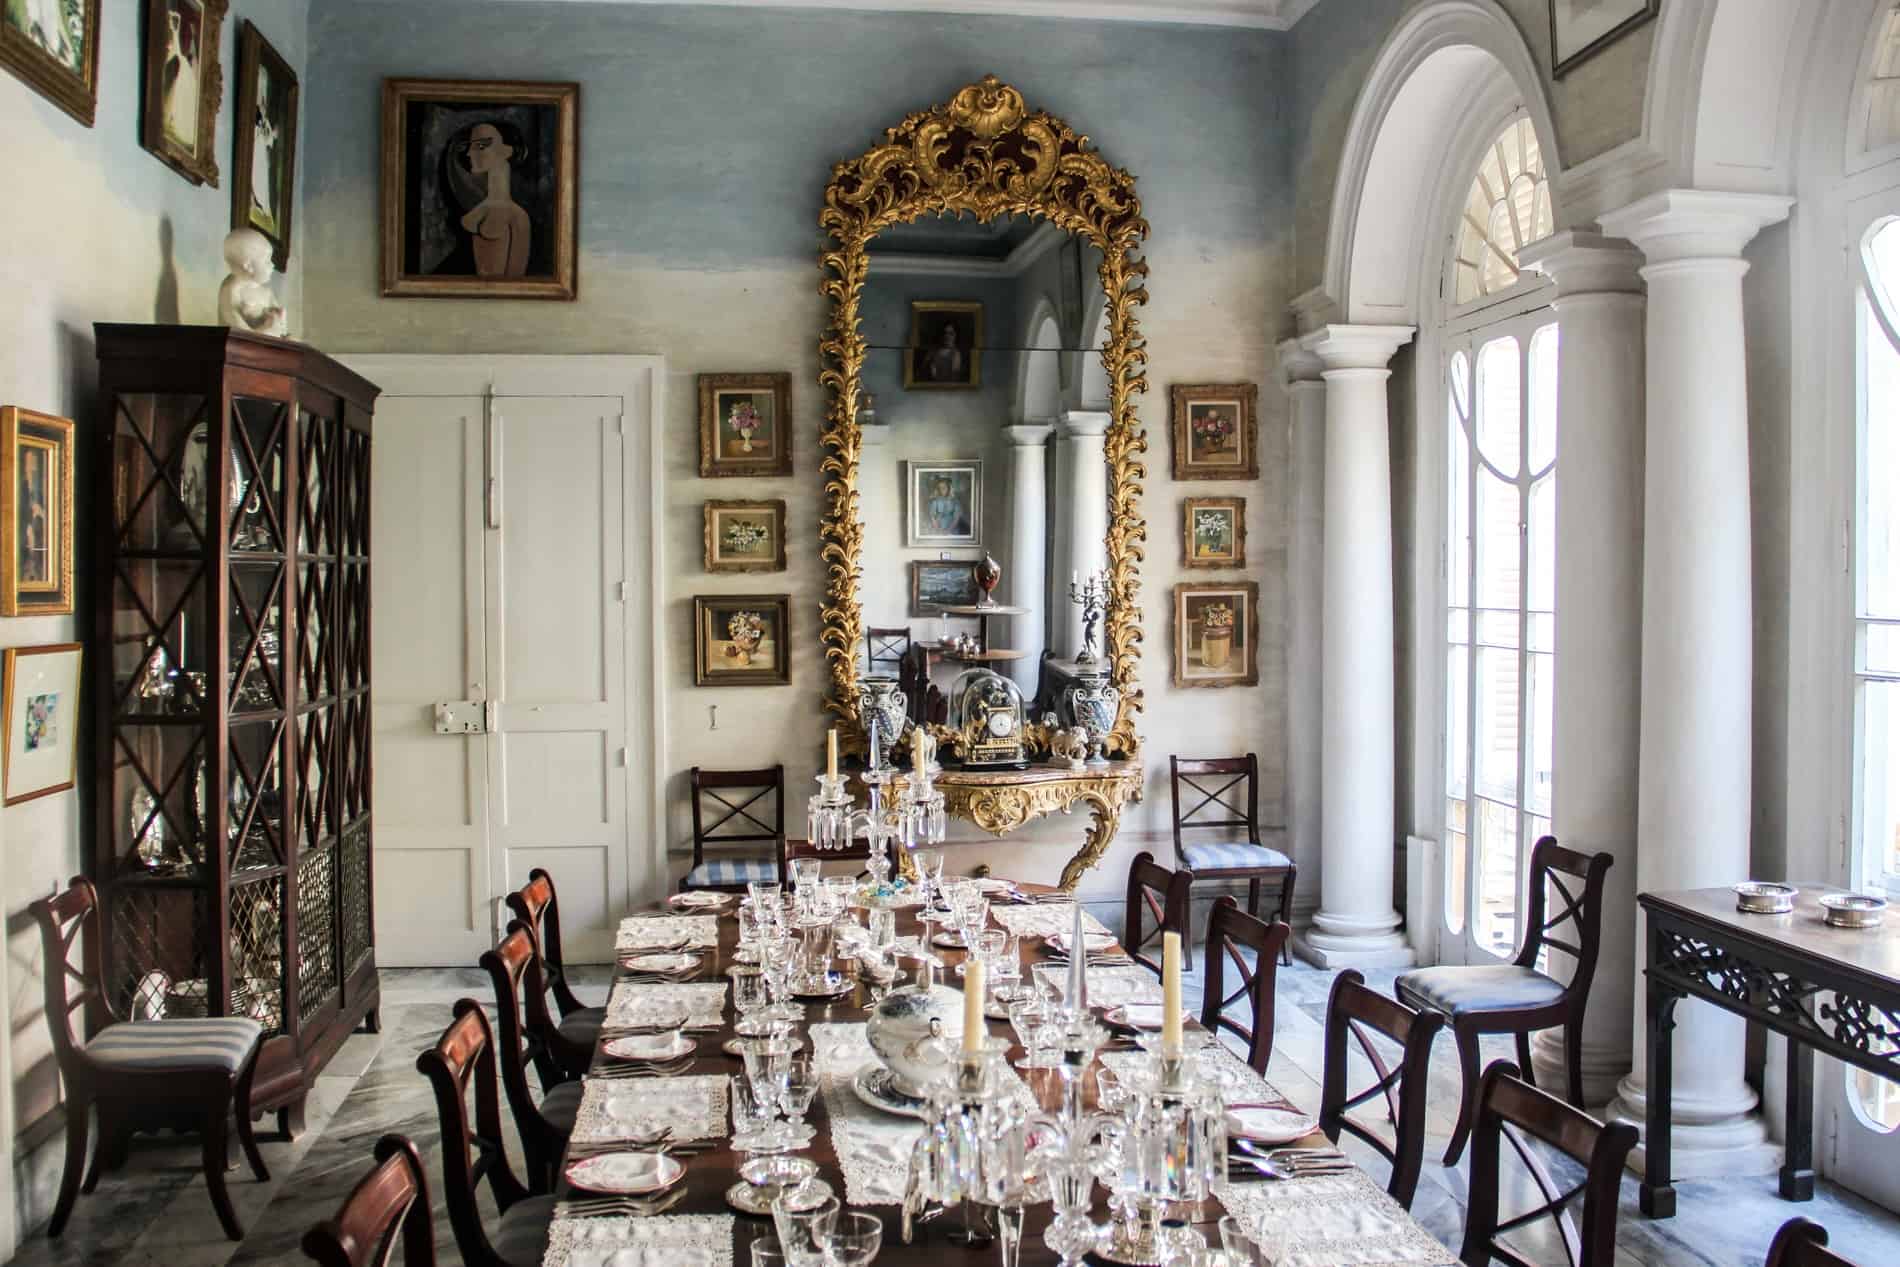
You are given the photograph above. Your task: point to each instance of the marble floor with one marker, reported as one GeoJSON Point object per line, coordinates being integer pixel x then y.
{"type": "Point", "coordinates": [155, 1212]}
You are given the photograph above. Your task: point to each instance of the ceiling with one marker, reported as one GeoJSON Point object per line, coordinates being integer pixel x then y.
{"type": "Point", "coordinates": [1267, 15]}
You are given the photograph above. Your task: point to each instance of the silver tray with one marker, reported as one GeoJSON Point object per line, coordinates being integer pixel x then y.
{"type": "Point", "coordinates": [875, 1085]}
{"type": "Point", "coordinates": [747, 1199]}
{"type": "Point", "coordinates": [1853, 910]}
{"type": "Point", "coordinates": [1765, 897]}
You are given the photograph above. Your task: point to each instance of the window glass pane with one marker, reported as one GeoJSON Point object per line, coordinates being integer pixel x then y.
{"type": "Point", "coordinates": [1457, 733]}
{"type": "Point", "coordinates": [1543, 418]}
{"type": "Point", "coordinates": [1498, 747]}
{"type": "Point", "coordinates": [1497, 532]}
{"type": "Point", "coordinates": [1883, 89]}
{"type": "Point", "coordinates": [1494, 924]}
{"type": "Point", "coordinates": [1506, 208]}
{"type": "Point", "coordinates": [1498, 628]}
{"type": "Point", "coordinates": [1879, 778]}
{"type": "Point", "coordinates": [1458, 493]}
{"type": "Point", "coordinates": [1877, 1099]}
{"type": "Point", "coordinates": [1543, 688]}
{"type": "Point", "coordinates": [1455, 837]}
{"type": "Point", "coordinates": [1880, 460]}
{"type": "Point", "coordinates": [1498, 402]}
{"type": "Point", "coordinates": [1880, 648]}
{"type": "Point", "coordinates": [1541, 591]}
{"type": "Point", "coordinates": [1458, 625]}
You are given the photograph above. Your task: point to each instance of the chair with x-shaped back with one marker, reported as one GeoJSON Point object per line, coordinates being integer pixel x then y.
{"type": "Point", "coordinates": [737, 807]}
{"type": "Point", "coordinates": [1147, 879]}
{"type": "Point", "coordinates": [1229, 931]}
{"type": "Point", "coordinates": [1803, 1243]}
{"type": "Point", "coordinates": [1222, 797]}
{"type": "Point", "coordinates": [1354, 1012]}
{"type": "Point", "coordinates": [884, 649]}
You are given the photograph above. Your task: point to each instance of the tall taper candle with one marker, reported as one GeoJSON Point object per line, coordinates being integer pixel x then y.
{"type": "Point", "coordinates": [831, 753]}
{"type": "Point", "coordinates": [1171, 990]}
{"type": "Point", "coordinates": [1078, 995]}
{"type": "Point", "coordinates": [974, 1029]}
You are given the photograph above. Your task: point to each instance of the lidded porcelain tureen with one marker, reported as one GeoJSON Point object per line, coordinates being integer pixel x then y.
{"type": "Point", "coordinates": [916, 1031]}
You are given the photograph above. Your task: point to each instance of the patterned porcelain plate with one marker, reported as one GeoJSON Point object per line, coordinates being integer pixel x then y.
{"type": "Point", "coordinates": [1140, 1015]}
{"type": "Point", "coordinates": [648, 961]}
{"type": "Point", "coordinates": [627, 1173]}
{"type": "Point", "coordinates": [1266, 1125]}
{"type": "Point", "coordinates": [649, 1046]}
{"type": "Point", "coordinates": [698, 900]}
{"type": "Point", "coordinates": [991, 884]}
{"type": "Point", "coordinates": [1096, 942]}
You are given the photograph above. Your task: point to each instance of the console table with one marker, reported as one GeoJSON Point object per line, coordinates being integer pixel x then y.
{"type": "Point", "coordinates": [1771, 970]}
{"type": "Point", "coordinates": [1000, 801]}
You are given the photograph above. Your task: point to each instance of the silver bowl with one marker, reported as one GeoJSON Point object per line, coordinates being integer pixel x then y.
{"type": "Point", "coordinates": [1853, 910]}
{"type": "Point", "coordinates": [1765, 897]}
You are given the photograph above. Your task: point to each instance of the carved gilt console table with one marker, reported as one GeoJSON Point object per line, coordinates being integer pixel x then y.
{"type": "Point", "coordinates": [1832, 990]}
{"type": "Point", "coordinates": [1000, 801]}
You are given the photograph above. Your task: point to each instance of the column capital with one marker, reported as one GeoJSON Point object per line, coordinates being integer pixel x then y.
{"type": "Point", "coordinates": [1579, 262]}
{"type": "Point", "coordinates": [1312, 310]}
{"type": "Point", "coordinates": [1349, 347]}
{"type": "Point", "coordinates": [1029, 435]}
{"type": "Point", "coordinates": [1085, 422]}
{"type": "Point", "coordinates": [1695, 224]}
{"type": "Point", "coordinates": [1299, 367]}
{"type": "Point", "coordinates": [874, 432]}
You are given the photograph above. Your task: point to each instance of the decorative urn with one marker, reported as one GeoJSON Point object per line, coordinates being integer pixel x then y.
{"type": "Point", "coordinates": [881, 699]}
{"type": "Point", "coordinates": [988, 573]}
{"type": "Point", "coordinates": [916, 1031]}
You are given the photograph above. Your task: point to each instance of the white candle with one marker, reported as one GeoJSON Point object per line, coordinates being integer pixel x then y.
{"type": "Point", "coordinates": [917, 748]}
{"type": "Point", "coordinates": [1078, 999]}
{"type": "Point", "coordinates": [831, 753]}
{"type": "Point", "coordinates": [974, 1029]}
{"type": "Point", "coordinates": [1171, 990]}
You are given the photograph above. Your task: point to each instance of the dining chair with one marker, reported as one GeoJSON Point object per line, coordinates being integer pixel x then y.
{"type": "Point", "coordinates": [730, 807]}
{"type": "Point", "coordinates": [180, 1073]}
{"type": "Point", "coordinates": [791, 850]}
{"type": "Point", "coordinates": [1225, 798]}
{"type": "Point", "coordinates": [926, 702]}
{"type": "Point", "coordinates": [538, 906]}
{"type": "Point", "coordinates": [1521, 997]}
{"type": "Point", "coordinates": [543, 1124]}
{"type": "Point", "coordinates": [1803, 1243]}
{"type": "Point", "coordinates": [1510, 1108]}
{"type": "Point", "coordinates": [1352, 1010]}
{"type": "Point", "coordinates": [1159, 892]}
{"type": "Point", "coordinates": [474, 1152]}
{"type": "Point", "coordinates": [1229, 929]}
{"type": "Point", "coordinates": [390, 1202]}
{"type": "Point", "coordinates": [885, 646]}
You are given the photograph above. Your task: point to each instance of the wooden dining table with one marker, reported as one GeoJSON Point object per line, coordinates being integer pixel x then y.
{"type": "Point", "coordinates": [712, 1166]}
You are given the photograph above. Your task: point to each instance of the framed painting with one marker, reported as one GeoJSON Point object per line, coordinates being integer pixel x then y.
{"type": "Point", "coordinates": [943, 504]}
{"type": "Point", "coordinates": [184, 85]}
{"type": "Point", "coordinates": [53, 47]}
{"type": "Point", "coordinates": [939, 583]}
{"type": "Point", "coordinates": [742, 640]}
{"type": "Point", "coordinates": [745, 425]}
{"type": "Point", "coordinates": [1214, 532]}
{"type": "Point", "coordinates": [745, 536]}
{"type": "Point", "coordinates": [1216, 640]}
{"type": "Point", "coordinates": [42, 702]}
{"type": "Point", "coordinates": [264, 182]}
{"type": "Point", "coordinates": [480, 189]}
{"type": "Point", "coordinates": [946, 345]}
{"type": "Point", "coordinates": [1580, 29]}
{"type": "Point", "coordinates": [36, 513]}
{"type": "Point", "coordinates": [1212, 432]}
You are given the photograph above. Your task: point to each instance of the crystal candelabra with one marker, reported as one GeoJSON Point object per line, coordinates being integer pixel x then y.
{"type": "Point", "coordinates": [1173, 1149]}
{"type": "Point", "coordinates": [911, 819]}
{"type": "Point", "coordinates": [1091, 595]}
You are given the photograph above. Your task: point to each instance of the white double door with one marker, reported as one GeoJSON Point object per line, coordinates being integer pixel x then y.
{"type": "Point", "coordinates": [514, 548]}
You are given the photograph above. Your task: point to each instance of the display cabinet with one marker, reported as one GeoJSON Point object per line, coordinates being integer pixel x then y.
{"type": "Point", "coordinates": [231, 689]}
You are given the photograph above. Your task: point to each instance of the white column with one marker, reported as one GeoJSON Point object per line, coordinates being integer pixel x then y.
{"type": "Point", "coordinates": [1086, 503]}
{"type": "Point", "coordinates": [1694, 776]}
{"type": "Point", "coordinates": [1028, 530]}
{"type": "Point", "coordinates": [1356, 925]}
{"type": "Point", "coordinates": [1306, 591]}
{"type": "Point", "coordinates": [886, 601]}
{"type": "Point", "coordinates": [1599, 619]}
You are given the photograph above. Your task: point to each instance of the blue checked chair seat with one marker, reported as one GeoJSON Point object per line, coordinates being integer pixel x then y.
{"type": "Point", "coordinates": [1230, 856]}
{"type": "Point", "coordinates": [219, 1042]}
{"type": "Point", "coordinates": [522, 1238]}
{"type": "Point", "coordinates": [732, 871]}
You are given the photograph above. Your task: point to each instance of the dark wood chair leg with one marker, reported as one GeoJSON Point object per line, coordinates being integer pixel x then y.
{"type": "Point", "coordinates": [1467, 1093]}
{"type": "Point", "coordinates": [102, 1156]}
{"type": "Point", "coordinates": [1253, 896]}
{"type": "Point", "coordinates": [217, 1155]}
{"type": "Point", "coordinates": [1286, 913]}
{"type": "Point", "coordinates": [1524, 1056]}
{"type": "Point", "coordinates": [78, 1128]}
{"type": "Point", "coordinates": [246, 1132]}
{"type": "Point", "coordinates": [1573, 1060]}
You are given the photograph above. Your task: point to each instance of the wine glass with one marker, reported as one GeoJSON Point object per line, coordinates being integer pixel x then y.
{"type": "Point", "coordinates": [766, 1070]}
{"type": "Point", "coordinates": [799, 1089]}
{"type": "Point", "coordinates": [750, 996]}
{"type": "Point", "coordinates": [802, 1234]}
{"type": "Point", "coordinates": [852, 1240]}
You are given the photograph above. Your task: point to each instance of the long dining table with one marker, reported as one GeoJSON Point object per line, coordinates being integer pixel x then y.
{"type": "Point", "coordinates": [870, 1174]}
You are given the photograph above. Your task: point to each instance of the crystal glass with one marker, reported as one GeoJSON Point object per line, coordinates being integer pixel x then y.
{"type": "Point", "coordinates": [750, 994]}
{"type": "Point", "coordinates": [838, 889]}
{"type": "Point", "coordinates": [930, 868]}
{"type": "Point", "coordinates": [883, 925]}
{"type": "Point", "coordinates": [802, 1234]}
{"type": "Point", "coordinates": [805, 872]}
{"type": "Point", "coordinates": [1236, 1237]}
{"type": "Point", "coordinates": [852, 1240]}
{"type": "Point", "coordinates": [1071, 1236]}
{"type": "Point", "coordinates": [1110, 1095]}
{"type": "Point", "coordinates": [766, 896]}
{"type": "Point", "coordinates": [766, 1252]}
{"type": "Point", "coordinates": [749, 1118]}
{"type": "Point", "coordinates": [766, 1070]}
{"type": "Point", "coordinates": [800, 1087]}
{"type": "Point", "coordinates": [1272, 1236]}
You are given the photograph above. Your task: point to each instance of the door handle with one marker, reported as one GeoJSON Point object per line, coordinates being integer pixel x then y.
{"type": "Point", "coordinates": [463, 717]}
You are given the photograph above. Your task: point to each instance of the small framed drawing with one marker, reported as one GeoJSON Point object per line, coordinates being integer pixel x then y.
{"type": "Point", "coordinates": [943, 503]}
{"type": "Point", "coordinates": [1215, 642]}
{"type": "Point", "coordinates": [1212, 432]}
{"type": "Point", "coordinates": [742, 640]}
{"type": "Point", "coordinates": [481, 195]}
{"type": "Point", "coordinates": [937, 584]}
{"type": "Point", "coordinates": [264, 182]}
{"type": "Point", "coordinates": [184, 85]}
{"type": "Point", "coordinates": [946, 345]}
{"type": "Point", "coordinates": [1214, 532]}
{"type": "Point", "coordinates": [36, 513]}
{"type": "Point", "coordinates": [745, 536]}
{"type": "Point", "coordinates": [745, 425]}
{"type": "Point", "coordinates": [53, 46]}
{"type": "Point", "coordinates": [1580, 29]}
{"type": "Point", "coordinates": [42, 702]}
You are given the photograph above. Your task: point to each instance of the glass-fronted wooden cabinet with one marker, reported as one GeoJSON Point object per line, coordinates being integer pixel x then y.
{"type": "Point", "coordinates": [230, 683]}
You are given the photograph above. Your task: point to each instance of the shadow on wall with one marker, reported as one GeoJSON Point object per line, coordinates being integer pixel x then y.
{"type": "Point", "coordinates": [35, 1087]}
{"type": "Point", "coordinates": [165, 307]}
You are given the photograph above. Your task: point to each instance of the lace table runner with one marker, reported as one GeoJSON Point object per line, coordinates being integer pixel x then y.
{"type": "Point", "coordinates": [634, 1003]}
{"type": "Point", "coordinates": [642, 932]}
{"type": "Point", "coordinates": [666, 1240]}
{"type": "Point", "coordinates": [614, 1108]}
{"type": "Point", "coordinates": [1238, 1083]}
{"type": "Point", "coordinates": [1042, 918]}
{"type": "Point", "coordinates": [1336, 1221]}
{"type": "Point", "coordinates": [1112, 987]}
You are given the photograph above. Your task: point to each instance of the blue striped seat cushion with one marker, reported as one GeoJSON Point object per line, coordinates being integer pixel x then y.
{"type": "Point", "coordinates": [1232, 856]}
{"type": "Point", "coordinates": [731, 871]}
{"type": "Point", "coordinates": [218, 1042]}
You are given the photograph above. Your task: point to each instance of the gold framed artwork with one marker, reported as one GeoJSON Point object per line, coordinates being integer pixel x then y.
{"type": "Point", "coordinates": [1216, 641]}
{"type": "Point", "coordinates": [53, 47]}
{"type": "Point", "coordinates": [745, 536]}
{"type": "Point", "coordinates": [742, 640]}
{"type": "Point", "coordinates": [36, 513]}
{"type": "Point", "coordinates": [945, 351]}
{"type": "Point", "coordinates": [42, 703]}
{"type": "Point", "coordinates": [1212, 431]}
{"type": "Point", "coordinates": [184, 85]}
{"type": "Point", "coordinates": [745, 425]}
{"type": "Point", "coordinates": [939, 583]}
{"type": "Point", "coordinates": [943, 504]}
{"type": "Point", "coordinates": [1214, 532]}
{"type": "Point", "coordinates": [264, 180]}
{"type": "Point", "coordinates": [481, 189]}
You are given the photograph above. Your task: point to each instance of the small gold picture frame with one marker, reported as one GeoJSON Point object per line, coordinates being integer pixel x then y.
{"type": "Point", "coordinates": [56, 61]}
{"type": "Point", "coordinates": [1214, 532]}
{"type": "Point", "coordinates": [264, 180]}
{"type": "Point", "coordinates": [1216, 634]}
{"type": "Point", "coordinates": [742, 640]}
{"type": "Point", "coordinates": [945, 351]}
{"type": "Point", "coordinates": [184, 85]}
{"type": "Point", "coordinates": [745, 536]}
{"type": "Point", "coordinates": [42, 727]}
{"type": "Point", "coordinates": [745, 425]}
{"type": "Point", "coordinates": [1212, 431]}
{"type": "Point", "coordinates": [36, 513]}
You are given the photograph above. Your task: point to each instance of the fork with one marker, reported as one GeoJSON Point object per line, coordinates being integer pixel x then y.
{"type": "Point", "coordinates": [641, 1069]}
{"type": "Point", "coordinates": [607, 1207]}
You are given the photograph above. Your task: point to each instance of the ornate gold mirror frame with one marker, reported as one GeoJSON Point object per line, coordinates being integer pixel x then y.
{"type": "Point", "coordinates": [985, 154]}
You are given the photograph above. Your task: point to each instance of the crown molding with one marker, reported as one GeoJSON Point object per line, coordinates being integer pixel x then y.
{"type": "Point", "coordinates": [1262, 15]}
{"type": "Point", "coordinates": [919, 264]}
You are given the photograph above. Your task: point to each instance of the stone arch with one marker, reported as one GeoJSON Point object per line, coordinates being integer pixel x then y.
{"type": "Point", "coordinates": [1039, 378]}
{"type": "Point", "coordinates": [1091, 380]}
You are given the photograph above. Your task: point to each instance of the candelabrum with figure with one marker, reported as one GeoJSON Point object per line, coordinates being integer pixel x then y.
{"type": "Point", "coordinates": [1091, 595]}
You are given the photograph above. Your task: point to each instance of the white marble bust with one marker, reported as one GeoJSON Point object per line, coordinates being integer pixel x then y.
{"type": "Point", "coordinates": [246, 300]}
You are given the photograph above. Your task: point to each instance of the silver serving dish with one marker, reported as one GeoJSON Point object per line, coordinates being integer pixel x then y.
{"type": "Point", "coordinates": [1764, 897]}
{"type": "Point", "coordinates": [1853, 910]}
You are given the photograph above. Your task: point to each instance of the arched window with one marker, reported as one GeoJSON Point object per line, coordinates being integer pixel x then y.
{"type": "Point", "coordinates": [1882, 123]}
{"type": "Point", "coordinates": [1507, 208]}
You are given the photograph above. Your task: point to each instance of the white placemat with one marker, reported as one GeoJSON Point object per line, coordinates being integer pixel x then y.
{"type": "Point", "coordinates": [1337, 1221]}
{"type": "Point", "coordinates": [666, 1240]}
{"type": "Point", "coordinates": [641, 932]}
{"type": "Point", "coordinates": [638, 1003]}
{"type": "Point", "coordinates": [693, 1107]}
{"type": "Point", "coordinates": [1237, 1081]}
{"type": "Point", "coordinates": [1042, 918]}
{"type": "Point", "coordinates": [1114, 986]}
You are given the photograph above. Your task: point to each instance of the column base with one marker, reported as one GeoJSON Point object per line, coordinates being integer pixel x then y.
{"type": "Point", "coordinates": [1332, 950]}
{"type": "Point", "coordinates": [1707, 1140]}
{"type": "Point", "coordinates": [1604, 1067]}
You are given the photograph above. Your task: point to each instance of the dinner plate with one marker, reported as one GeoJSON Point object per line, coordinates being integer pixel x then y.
{"type": "Point", "coordinates": [698, 899]}
{"type": "Point", "coordinates": [1140, 1015]}
{"type": "Point", "coordinates": [659, 962]}
{"type": "Point", "coordinates": [625, 1173]}
{"type": "Point", "coordinates": [991, 884]}
{"type": "Point", "coordinates": [737, 1046]}
{"type": "Point", "coordinates": [1265, 1125]}
{"type": "Point", "coordinates": [669, 1046]}
{"type": "Point", "coordinates": [1095, 942]}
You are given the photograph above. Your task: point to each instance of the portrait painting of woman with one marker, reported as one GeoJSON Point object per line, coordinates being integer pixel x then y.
{"type": "Point", "coordinates": [184, 85]}
{"type": "Point", "coordinates": [946, 503]}
{"type": "Point", "coordinates": [53, 46]}
{"type": "Point", "coordinates": [263, 188]}
{"type": "Point", "coordinates": [183, 27]}
{"type": "Point", "coordinates": [946, 344]}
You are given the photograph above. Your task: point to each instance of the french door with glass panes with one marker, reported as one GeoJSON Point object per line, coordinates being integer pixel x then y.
{"type": "Point", "coordinates": [1500, 590]}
